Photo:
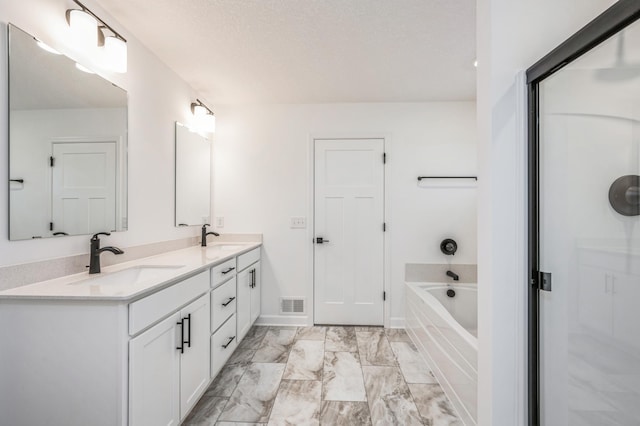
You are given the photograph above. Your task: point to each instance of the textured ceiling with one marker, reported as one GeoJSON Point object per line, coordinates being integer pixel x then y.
{"type": "Point", "coordinates": [311, 51]}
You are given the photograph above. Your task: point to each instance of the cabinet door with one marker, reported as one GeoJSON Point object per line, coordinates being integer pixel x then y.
{"type": "Point", "coordinates": [243, 303]}
{"type": "Point", "coordinates": [194, 362]}
{"type": "Point", "coordinates": [154, 375]}
{"type": "Point", "coordinates": [595, 307]}
{"type": "Point", "coordinates": [255, 292]}
{"type": "Point", "coordinates": [626, 315]}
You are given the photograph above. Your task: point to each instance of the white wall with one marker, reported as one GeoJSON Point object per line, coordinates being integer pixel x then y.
{"type": "Point", "coordinates": [263, 177]}
{"type": "Point", "coordinates": [511, 37]}
{"type": "Point", "coordinates": [157, 98]}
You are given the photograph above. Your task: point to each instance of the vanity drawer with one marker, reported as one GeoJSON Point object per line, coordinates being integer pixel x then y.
{"type": "Point", "coordinates": [223, 303]}
{"type": "Point", "coordinates": [223, 272]}
{"type": "Point", "coordinates": [146, 311]}
{"type": "Point", "coordinates": [223, 343]}
{"type": "Point", "coordinates": [248, 258]}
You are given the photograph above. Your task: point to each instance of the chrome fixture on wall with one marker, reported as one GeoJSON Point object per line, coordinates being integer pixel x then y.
{"type": "Point", "coordinates": [624, 195]}
{"type": "Point", "coordinates": [89, 32]}
{"type": "Point", "coordinates": [205, 119]}
{"type": "Point", "coordinates": [449, 246]}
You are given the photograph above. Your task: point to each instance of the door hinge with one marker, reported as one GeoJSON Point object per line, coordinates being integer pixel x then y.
{"type": "Point", "coordinates": [543, 281]}
{"type": "Point", "coordinates": [51, 161]}
{"type": "Point", "coordinates": [384, 158]}
{"type": "Point", "coordinates": [50, 226]}
{"type": "Point", "coordinates": [384, 227]}
{"type": "Point", "coordinates": [384, 295]}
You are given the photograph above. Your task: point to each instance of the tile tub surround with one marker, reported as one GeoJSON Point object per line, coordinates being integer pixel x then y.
{"type": "Point", "coordinates": [315, 386]}
{"type": "Point", "coordinates": [29, 273]}
{"type": "Point", "coordinates": [437, 273]}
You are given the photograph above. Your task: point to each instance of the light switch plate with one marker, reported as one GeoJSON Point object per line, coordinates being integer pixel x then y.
{"type": "Point", "coordinates": [219, 222]}
{"type": "Point", "coordinates": [298, 222]}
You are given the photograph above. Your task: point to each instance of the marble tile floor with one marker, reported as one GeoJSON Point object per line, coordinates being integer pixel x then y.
{"type": "Point", "coordinates": [324, 376]}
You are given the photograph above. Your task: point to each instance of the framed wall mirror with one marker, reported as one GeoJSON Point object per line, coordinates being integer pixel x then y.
{"type": "Point", "coordinates": [193, 177]}
{"type": "Point", "coordinates": [67, 145]}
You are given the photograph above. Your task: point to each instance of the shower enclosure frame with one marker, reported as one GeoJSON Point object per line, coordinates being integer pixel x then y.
{"type": "Point", "coordinates": [607, 24]}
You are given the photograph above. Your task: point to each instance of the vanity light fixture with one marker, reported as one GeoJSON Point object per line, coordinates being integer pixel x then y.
{"type": "Point", "coordinates": [205, 119]}
{"type": "Point", "coordinates": [89, 30]}
{"type": "Point", "coordinates": [84, 27]}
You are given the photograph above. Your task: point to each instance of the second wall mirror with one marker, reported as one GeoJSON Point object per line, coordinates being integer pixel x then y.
{"type": "Point", "coordinates": [193, 177]}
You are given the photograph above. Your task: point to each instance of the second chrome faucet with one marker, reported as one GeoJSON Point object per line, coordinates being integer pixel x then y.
{"type": "Point", "coordinates": [205, 233]}
{"type": "Point", "coordinates": [94, 256]}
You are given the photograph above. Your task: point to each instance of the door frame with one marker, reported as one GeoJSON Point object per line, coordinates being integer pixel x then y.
{"type": "Point", "coordinates": [386, 141]}
{"type": "Point", "coordinates": [611, 21]}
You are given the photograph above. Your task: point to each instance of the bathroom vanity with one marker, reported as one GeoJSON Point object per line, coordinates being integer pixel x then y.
{"type": "Point", "coordinates": [135, 345]}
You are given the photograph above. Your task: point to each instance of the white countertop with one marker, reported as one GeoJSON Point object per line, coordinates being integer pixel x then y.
{"type": "Point", "coordinates": [135, 279]}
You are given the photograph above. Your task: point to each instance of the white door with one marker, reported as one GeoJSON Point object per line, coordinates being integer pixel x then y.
{"type": "Point", "coordinates": [349, 238]}
{"type": "Point", "coordinates": [194, 362]}
{"type": "Point", "coordinates": [154, 375]}
{"type": "Point", "coordinates": [83, 187]}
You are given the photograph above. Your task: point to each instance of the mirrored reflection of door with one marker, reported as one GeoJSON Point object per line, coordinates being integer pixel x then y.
{"type": "Point", "coordinates": [589, 323]}
{"type": "Point", "coordinates": [83, 187]}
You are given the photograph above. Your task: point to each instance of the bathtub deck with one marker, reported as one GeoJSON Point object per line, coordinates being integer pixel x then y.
{"type": "Point", "coordinates": [441, 341]}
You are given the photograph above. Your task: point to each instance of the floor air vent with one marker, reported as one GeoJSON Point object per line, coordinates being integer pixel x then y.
{"type": "Point", "coordinates": [292, 305]}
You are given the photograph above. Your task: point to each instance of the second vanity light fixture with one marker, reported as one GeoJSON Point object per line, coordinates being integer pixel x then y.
{"type": "Point", "coordinates": [205, 120]}
{"type": "Point", "coordinates": [89, 32]}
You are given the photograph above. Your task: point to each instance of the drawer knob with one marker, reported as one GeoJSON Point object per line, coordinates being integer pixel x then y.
{"type": "Point", "coordinates": [231, 299]}
{"type": "Point", "coordinates": [229, 342]}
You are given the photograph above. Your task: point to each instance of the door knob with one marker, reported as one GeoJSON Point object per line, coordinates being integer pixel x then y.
{"type": "Point", "coordinates": [320, 240]}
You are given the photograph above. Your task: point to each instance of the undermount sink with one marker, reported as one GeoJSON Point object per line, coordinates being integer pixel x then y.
{"type": "Point", "coordinates": [226, 246]}
{"type": "Point", "coordinates": [130, 276]}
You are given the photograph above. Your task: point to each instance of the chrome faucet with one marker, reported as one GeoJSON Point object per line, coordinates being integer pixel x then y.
{"type": "Point", "coordinates": [205, 233]}
{"type": "Point", "coordinates": [453, 275]}
{"type": "Point", "coordinates": [94, 257]}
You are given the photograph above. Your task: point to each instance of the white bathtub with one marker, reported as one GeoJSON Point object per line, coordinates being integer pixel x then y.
{"type": "Point", "coordinates": [444, 330]}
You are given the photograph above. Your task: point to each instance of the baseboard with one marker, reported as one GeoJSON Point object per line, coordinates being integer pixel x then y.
{"type": "Point", "coordinates": [299, 321]}
{"type": "Point", "coordinates": [396, 322]}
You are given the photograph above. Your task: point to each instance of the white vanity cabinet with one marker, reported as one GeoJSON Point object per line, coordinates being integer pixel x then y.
{"type": "Point", "coordinates": [249, 291]}
{"type": "Point", "coordinates": [123, 349]}
{"type": "Point", "coordinates": [169, 366]}
{"type": "Point", "coordinates": [105, 362]}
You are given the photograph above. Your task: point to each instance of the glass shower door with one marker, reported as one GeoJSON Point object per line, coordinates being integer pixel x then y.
{"type": "Point", "coordinates": [589, 237]}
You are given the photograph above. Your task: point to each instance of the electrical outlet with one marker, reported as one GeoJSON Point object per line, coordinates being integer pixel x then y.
{"type": "Point", "coordinates": [298, 222]}
{"type": "Point", "coordinates": [219, 222]}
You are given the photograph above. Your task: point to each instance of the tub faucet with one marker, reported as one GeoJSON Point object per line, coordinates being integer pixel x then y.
{"type": "Point", "coordinates": [453, 275]}
{"type": "Point", "coordinates": [94, 257]}
{"type": "Point", "coordinates": [205, 233]}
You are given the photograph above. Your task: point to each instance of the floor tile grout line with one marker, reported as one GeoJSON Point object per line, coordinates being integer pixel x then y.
{"type": "Point", "coordinates": [281, 378]}
{"type": "Point", "coordinates": [364, 382]}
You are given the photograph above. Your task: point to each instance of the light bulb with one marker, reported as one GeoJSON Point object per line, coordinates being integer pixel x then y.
{"type": "Point", "coordinates": [84, 28]}
{"type": "Point", "coordinates": [199, 110]}
{"type": "Point", "coordinates": [115, 50]}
